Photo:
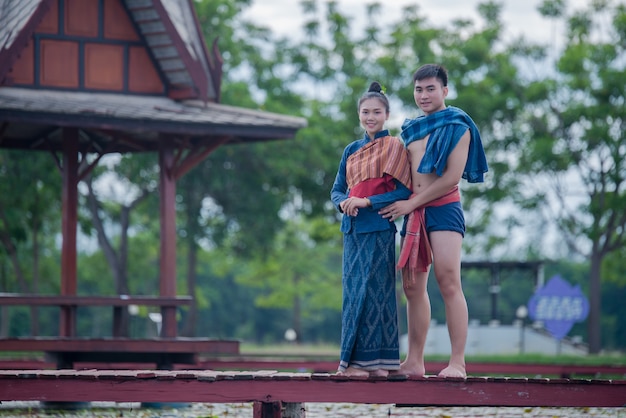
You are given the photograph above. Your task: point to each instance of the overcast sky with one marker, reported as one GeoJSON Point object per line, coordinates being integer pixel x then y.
{"type": "Point", "coordinates": [519, 16]}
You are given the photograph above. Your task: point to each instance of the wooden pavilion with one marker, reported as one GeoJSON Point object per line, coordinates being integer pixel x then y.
{"type": "Point", "coordinates": [92, 77]}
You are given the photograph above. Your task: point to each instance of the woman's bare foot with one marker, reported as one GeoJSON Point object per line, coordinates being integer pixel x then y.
{"type": "Point", "coordinates": [353, 372]}
{"type": "Point", "coordinates": [453, 370]}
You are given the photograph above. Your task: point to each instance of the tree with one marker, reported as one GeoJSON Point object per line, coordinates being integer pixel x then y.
{"type": "Point", "coordinates": [110, 214]}
{"type": "Point", "coordinates": [338, 66]}
{"type": "Point", "coordinates": [298, 274]}
{"type": "Point", "coordinates": [28, 217]}
{"type": "Point", "coordinates": [573, 139]}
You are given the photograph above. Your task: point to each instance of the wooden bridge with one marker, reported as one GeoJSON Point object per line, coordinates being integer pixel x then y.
{"type": "Point", "coordinates": [271, 391]}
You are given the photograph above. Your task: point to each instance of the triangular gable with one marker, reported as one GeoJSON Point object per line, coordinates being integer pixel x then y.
{"type": "Point", "coordinates": [182, 17]}
{"type": "Point", "coordinates": [135, 47]}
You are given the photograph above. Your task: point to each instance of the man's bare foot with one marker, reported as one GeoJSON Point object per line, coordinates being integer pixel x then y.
{"type": "Point", "coordinates": [379, 373]}
{"type": "Point", "coordinates": [453, 370]}
{"type": "Point", "coordinates": [353, 372]}
{"type": "Point", "coordinates": [411, 370]}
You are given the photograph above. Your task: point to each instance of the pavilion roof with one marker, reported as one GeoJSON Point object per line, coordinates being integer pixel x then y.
{"type": "Point", "coordinates": [129, 123]}
{"type": "Point", "coordinates": [32, 117]}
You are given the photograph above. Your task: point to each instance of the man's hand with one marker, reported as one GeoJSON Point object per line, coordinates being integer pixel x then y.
{"type": "Point", "coordinates": [396, 210]}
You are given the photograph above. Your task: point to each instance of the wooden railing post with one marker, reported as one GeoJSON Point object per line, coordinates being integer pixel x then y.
{"type": "Point", "coordinates": [69, 200]}
{"type": "Point", "coordinates": [167, 280]}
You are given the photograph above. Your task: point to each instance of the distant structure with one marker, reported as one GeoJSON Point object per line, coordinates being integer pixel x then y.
{"type": "Point", "coordinates": [499, 339]}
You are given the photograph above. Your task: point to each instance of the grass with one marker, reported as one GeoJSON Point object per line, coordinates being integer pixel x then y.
{"type": "Point", "coordinates": [329, 351]}
{"type": "Point", "coordinates": [290, 350]}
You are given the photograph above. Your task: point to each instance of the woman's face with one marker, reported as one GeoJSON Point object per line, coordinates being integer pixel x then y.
{"type": "Point", "coordinates": [373, 115]}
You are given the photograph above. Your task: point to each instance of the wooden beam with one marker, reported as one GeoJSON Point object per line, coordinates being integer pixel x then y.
{"type": "Point", "coordinates": [167, 272]}
{"type": "Point", "coordinates": [196, 155]}
{"type": "Point", "coordinates": [20, 299]}
{"type": "Point", "coordinates": [99, 345]}
{"type": "Point", "coordinates": [271, 386]}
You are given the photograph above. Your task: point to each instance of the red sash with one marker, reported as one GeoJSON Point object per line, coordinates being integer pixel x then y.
{"type": "Point", "coordinates": [416, 254]}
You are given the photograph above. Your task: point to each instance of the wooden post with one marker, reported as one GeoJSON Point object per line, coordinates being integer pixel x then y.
{"type": "Point", "coordinates": [167, 279]}
{"type": "Point", "coordinates": [69, 199]}
{"type": "Point", "coordinates": [278, 409]}
{"type": "Point", "coordinates": [267, 409]}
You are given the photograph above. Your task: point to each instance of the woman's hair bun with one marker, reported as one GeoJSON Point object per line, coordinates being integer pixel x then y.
{"type": "Point", "coordinates": [376, 91]}
{"type": "Point", "coordinates": [376, 88]}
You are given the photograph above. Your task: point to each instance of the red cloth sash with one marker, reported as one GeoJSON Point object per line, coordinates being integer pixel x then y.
{"type": "Point", "coordinates": [371, 187]}
{"type": "Point", "coordinates": [416, 253]}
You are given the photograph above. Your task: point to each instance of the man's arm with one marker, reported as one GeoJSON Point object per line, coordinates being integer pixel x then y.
{"type": "Point", "coordinates": [440, 186]}
{"type": "Point", "coordinates": [401, 192]}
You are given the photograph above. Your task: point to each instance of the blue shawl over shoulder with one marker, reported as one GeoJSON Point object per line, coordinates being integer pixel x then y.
{"type": "Point", "coordinates": [446, 128]}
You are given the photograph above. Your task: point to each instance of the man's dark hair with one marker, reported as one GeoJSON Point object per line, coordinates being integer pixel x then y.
{"type": "Point", "coordinates": [431, 70]}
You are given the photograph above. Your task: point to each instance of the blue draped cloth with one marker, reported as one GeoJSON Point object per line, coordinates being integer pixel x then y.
{"type": "Point", "coordinates": [369, 319]}
{"type": "Point", "coordinates": [446, 128]}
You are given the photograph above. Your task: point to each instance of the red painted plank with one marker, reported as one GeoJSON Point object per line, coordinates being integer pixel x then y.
{"type": "Point", "coordinates": [475, 369]}
{"type": "Point", "coordinates": [75, 300]}
{"type": "Point", "coordinates": [507, 369]}
{"type": "Point", "coordinates": [226, 387]}
{"type": "Point", "coordinates": [99, 345]}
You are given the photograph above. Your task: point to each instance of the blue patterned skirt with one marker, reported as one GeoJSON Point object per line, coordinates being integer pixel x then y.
{"type": "Point", "coordinates": [369, 324]}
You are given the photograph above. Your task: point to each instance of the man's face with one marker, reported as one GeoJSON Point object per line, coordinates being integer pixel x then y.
{"type": "Point", "coordinates": [430, 95]}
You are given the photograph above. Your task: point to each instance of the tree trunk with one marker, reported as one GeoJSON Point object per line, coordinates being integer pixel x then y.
{"type": "Point", "coordinates": [297, 312]}
{"type": "Point", "coordinates": [117, 260]}
{"type": "Point", "coordinates": [595, 301]}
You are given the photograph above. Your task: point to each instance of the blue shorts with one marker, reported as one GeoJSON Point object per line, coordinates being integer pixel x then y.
{"type": "Point", "coordinates": [448, 217]}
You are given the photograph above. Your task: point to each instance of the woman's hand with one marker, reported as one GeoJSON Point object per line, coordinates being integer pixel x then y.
{"type": "Point", "coordinates": [396, 210]}
{"type": "Point", "coordinates": [351, 205]}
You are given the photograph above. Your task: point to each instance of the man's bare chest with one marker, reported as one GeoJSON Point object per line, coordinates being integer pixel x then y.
{"type": "Point", "coordinates": [417, 149]}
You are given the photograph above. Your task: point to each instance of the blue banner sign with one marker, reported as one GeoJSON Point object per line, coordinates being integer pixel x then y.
{"type": "Point", "coordinates": [559, 306]}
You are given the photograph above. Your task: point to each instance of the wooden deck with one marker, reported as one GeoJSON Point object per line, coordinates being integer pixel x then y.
{"type": "Point", "coordinates": [69, 304]}
{"type": "Point", "coordinates": [432, 367]}
{"type": "Point", "coordinates": [226, 362]}
{"type": "Point", "coordinates": [267, 387]}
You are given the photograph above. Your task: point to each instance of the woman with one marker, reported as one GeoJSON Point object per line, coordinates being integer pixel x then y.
{"type": "Point", "coordinates": [373, 173]}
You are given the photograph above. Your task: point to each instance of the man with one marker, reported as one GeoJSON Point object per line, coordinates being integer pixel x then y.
{"type": "Point", "coordinates": [444, 146]}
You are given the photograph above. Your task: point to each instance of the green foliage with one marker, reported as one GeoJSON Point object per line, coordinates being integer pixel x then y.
{"type": "Point", "coordinates": [552, 8]}
{"type": "Point", "coordinates": [29, 212]}
{"type": "Point", "coordinates": [298, 274]}
{"type": "Point", "coordinates": [575, 131]}
{"type": "Point", "coordinates": [258, 216]}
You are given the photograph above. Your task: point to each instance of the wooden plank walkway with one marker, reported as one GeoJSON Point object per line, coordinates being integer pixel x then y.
{"type": "Point", "coordinates": [270, 387]}
{"type": "Point", "coordinates": [473, 368]}
{"type": "Point", "coordinates": [602, 371]}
